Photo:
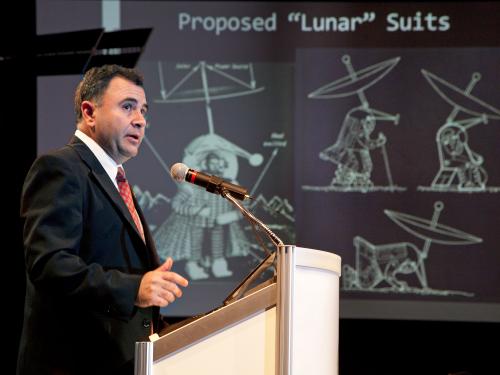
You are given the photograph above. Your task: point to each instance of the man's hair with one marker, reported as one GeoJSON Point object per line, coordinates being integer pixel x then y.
{"type": "Point", "coordinates": [96, 81]}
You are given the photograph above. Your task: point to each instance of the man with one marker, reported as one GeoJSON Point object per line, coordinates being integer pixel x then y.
{"type": "Point", "coordinates": [94, 284]}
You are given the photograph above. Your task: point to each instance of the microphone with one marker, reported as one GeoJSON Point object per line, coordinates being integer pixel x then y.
{"type": "Point", "coordinates": [213, 184]}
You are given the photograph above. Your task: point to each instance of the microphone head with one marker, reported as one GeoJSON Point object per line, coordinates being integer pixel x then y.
{"type": "Point", "coordinates": [178, 171]}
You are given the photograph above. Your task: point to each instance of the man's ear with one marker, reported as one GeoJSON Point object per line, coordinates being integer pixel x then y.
{"type": "Point", "coordinates": [88, 112]}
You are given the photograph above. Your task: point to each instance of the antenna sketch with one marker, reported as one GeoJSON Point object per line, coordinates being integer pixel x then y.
{"type": "Point", "coordinates": [460, 168]}
{"type": "Point", "coordinates": [400, 267]}
{"type": "Point", "coordinates": [352, 151]}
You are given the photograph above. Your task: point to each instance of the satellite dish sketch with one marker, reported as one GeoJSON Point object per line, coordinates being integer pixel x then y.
{"type": "Point", "coordinates": [460, 168]}
{"type": "Point", "coordinates": [352, 151]}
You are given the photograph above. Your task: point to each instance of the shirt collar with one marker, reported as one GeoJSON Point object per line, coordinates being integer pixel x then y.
{"type": "Point", "coordinates": [106, 161]}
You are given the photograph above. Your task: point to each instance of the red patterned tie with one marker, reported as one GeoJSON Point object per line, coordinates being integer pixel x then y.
{"type": "Point", "coordinates": [127, 198]}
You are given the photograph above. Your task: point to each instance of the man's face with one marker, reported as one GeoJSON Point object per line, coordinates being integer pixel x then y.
{"type": "Point", "coordinates": [120, 119]}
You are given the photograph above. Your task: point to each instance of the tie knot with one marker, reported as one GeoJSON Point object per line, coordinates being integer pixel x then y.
{"type": "Point", "coordinates": [120, 175]}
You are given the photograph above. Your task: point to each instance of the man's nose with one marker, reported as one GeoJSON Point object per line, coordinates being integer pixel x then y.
{"type": "Point", "coordinates": [139, 119]}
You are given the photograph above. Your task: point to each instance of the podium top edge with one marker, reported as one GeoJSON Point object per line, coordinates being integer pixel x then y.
{"type": "Point", "coordinates": [317, 259]}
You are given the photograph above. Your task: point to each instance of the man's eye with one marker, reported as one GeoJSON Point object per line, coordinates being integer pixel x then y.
{"type": "Point", "coordinates": [127, 107]}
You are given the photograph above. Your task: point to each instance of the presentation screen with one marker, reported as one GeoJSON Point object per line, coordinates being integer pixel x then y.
{"type": "Point", "coordinates": [368, 130]}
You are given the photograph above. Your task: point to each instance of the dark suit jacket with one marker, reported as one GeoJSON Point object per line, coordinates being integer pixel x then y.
{"type": "Point", "coordinates": [84, 262]}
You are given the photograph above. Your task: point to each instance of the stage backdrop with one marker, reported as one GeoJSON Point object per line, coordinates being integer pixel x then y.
{"type": "Point", "coordinates": [368, 130]}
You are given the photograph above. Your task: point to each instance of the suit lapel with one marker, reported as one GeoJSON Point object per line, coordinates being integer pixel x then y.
{"type": "Point", "coordinates": [102, 178]}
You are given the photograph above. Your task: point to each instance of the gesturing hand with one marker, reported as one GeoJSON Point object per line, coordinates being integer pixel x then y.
{"type": "Point", "coordinates": [160, 286]}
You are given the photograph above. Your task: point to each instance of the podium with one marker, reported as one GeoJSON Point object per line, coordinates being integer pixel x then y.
{"type": "Point", "coordinates": [287, 325]}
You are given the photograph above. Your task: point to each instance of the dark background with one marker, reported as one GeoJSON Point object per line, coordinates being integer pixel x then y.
{"type": "Point", "coordinates": [366, 346]}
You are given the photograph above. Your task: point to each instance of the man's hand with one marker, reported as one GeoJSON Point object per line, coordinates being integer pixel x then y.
{"type": "Point", "coordinates": [160, 286]}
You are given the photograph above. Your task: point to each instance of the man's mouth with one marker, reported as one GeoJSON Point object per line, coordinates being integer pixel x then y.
{"type": "Point", "coordinates": [134, 137]}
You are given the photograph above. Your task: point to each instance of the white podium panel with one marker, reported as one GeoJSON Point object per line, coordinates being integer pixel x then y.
{"type": "Point", "coordinates": [308, 305]}
{"type": "Point", "coordinates": [315, 322]}
{"type": "Point", "coordinates": [245, 348]}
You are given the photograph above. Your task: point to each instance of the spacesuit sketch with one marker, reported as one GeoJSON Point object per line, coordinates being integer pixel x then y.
{"type": "Point", "coordinates": [204, 228]}
{"type": "Point", "coordinates": [351, 151]}
{"type": "Point", "coordinates": [458, 163]}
